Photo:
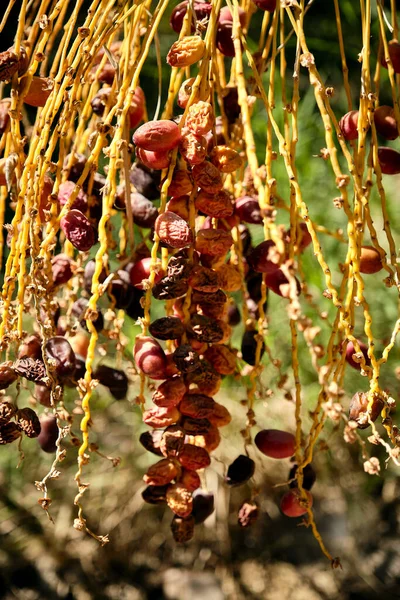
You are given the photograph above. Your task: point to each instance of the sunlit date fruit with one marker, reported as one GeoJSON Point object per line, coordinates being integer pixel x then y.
{"type": "Point", "coordinates": [194, 458]}
{"type": "Point", "coordinates": [179, 500]}
{"type": "Point", "coordinates": [200, 118]}
{"type": "Point", "coordinates": [186, 359]}
{"type": "Point", "coordinates": [209, 440]}
{"type": "Point", "coordinates": [179, 267]}
{"type": "Point", "coordinates": [182, 529]}
{"type": "Point", "coordinates": [157, 136]}
{"type": "Point", "coordinates": [140, 272]}
{"type": "Point", "coordinates": [59, 350]}
{"type": "Point", "coordinates": [62, 267]}
{"type": "Point", "coordinates": [249, 347]}
{"type": "Point", "coordinates": [292, 504]}
{"type": "Point", "coordinates": [248, 210]}
{"type": "Point", "coordinates": [201, 9]}
{"type": "Point", "coordinates": [389, 160]}
{"type": "Point", "coordinates": [149, 357]}
{"type": "Point", "coordinates": [39, 91]}
{"type": "Point", "coordinates": [180, 206]}
{"type": "Point", "coordinates": [207, 380]}
{"type": "Point", "coordinates": [222, 359]}
{"type": "Point", "coordinates": [265, 257]}
{"type": "Point", "coordinates": [172, 441]}
{"type": "Point", "coordinates": [218, 298]}
{"type": "Point", "coordinates": [280, 284]}
{"type": "Point", "coordinates": [162, 473]}
{"type": "Point", "coordinates": [207, 177]}
{"type": "Point", "coordinates": [204, 279]}
{"type": "Point", "coordinates": [115, 379]}
{"type": "Point", "coordinates": [275, 443]}
{"type": "Point", "coordinates": [150, 440]}
{"type": "Point", "coordinates": [348, 125]}
{"type": "Point", "coordinates": [170, 392]}
{"type": "Point", "coordinates": [230, 277]}
{"type": "Point", "coordinates": [181, 183]}
{"type": "Point", "coordinates": [190, 480]}
{"type": "Point", "coordinates": [205, 329]}
{"type": "Point", "coordinates": [7, 375]}
{"type": "Point", "coordinates": [226, 159]}
{"type": "Point", "coordinates": [213, 242]}
{"type": "Point", "coordinates": [167, 328]}
{"type": "Point", "coordinates": [79, 311]}
{"type": "Point", "coordinates": [203, 505]}
{"type": "Point", "coordinates": [152, 159]}
{"type": "Point", "coordinates": [351, 350]}
{"type": "Point", "coordinates": [197, 406]}
{"type": "Point", "coordinates": [186, 51]}
{"type": "Point", "coordinates": [31, 347]}
{"type": "Point", "coordinates": [155, 494]}
{"type": "Point", "coordinates": [173, 230]}
{"type": "Point", "coordinates": [144, 212]}
{"type": "Point", "coordinates": [170, 289]}
{"type": "Point", "coordinates": [78, 230]}
{"type": "Point", "coordinates": [370, 260]}
{"type": "Point", "coordinates": [394, 54]}
{"type": "Point", "coordinates": [267, 5]}
{"type": "Point", "coordinates": [192, 147]}
{"type": "Point", "coordinates": [185, 92]}
{"type": "Point", "coordinates": [309, 477]}
{"type": "Point", "coordinates": [385, 122]}
{"type": "Point", "coordinates": [145, 180]}
{"type": "Point", "coordinates": [31, 369]}
{"type": "Point", "coordinates": [240, 471]}
{"type": "Point", "coordinates": [248, 513]}
{"type": "Point", "coordinates": [28, 422]}
{"type": "Point", "coordinates": [48, 435]}
{"type": "Point", "coordinates": [358, 409]}
{"type": "Point", "coordinates": [220, 417]}
{"type": "Point", "coordinates": [218, 205]}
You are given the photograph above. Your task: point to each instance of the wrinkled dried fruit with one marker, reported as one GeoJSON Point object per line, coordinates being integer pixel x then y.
{"type": "Point", "coordinates": [78, 230]}
{"type": "Point", "coordinates": [222, 359]}
{"type": "Point", "coordinates": [162, 473]}
{"type": "Point", "coordinates": [143, 211]}
{"type": "Point", "coordinates": [172, 441]}
{"type": "Point", "coordinates": [181, 183]}
{"type": "Point", "coordinates": [180, 206]}
{"type": "Point", "coordinates": [179, 499]}
{"type": "Point", "coordinates": [139, 272]}
{"type": "Point", "coordinates": [7, 375]}
{"type": "Point", "coordinates": [186, 359]}
{"type": "Point", "coordinates": [348, 125]}
{"type": "Point", "coordinates": [194, 458]}
{"type": "Point", "coordinates": [213, 242]}
{"type": "Point", "coordinates": [28, 422]}
{"type": "Point", "coordinates": [193, 147]}
{"type": "Point", "coordinates": [157, 136]}
{"type": "Point", "coordinates": [226, 159]}
{"type": "Point", "coordinates": [185, 92]}
{"type": "Point", "coordinates": [39, 91]}
{"type": "Point", "coordinates": [218, 205]}
{"type": "Point", "coordinates": [167, 328]}
{"type": "Point", "coordinates": [197, 406]}
{"type": "Point", "coordinates": [32, 369]}
{"type": "Point", "coordinates": [173, 230]}
{"type": "Point", "coordinates": [370, 260]}
{"type": "Point", "coordinates": [161, 417]}
{"type": "Point", "coordinates": [207, 177]}
{"type": "Point", "coordinates": [7, 411]}
{"type": "Point", "coordinates": [204, 280]}
{"type": "Point", "coordinates": [155, 494]}
{"type": "Point", "coordinates": [220, 416]}
{"type": "Point", "coordinates": [200, 118]}
{"type": "Point", "coordinates": [385, 122]}
{"type": "Point", "coordinates": [230, 277]}
{"type": "Point", "coordinates": [182, 529]}
{"type": "Point", "coordinates": [10, 63]}
{"type": "Point", "coordinates": [206, 379]}
{"type": "Point", "coordinates": [248, 210]}
{"type": "Point", "coordinates": [275, 443]}
{"type": "Point", "coordinates": [358, 409]}
{"type": "Point", "coordinates": [205, 329]}
{"type": "Point", "coordinates": [149, 357]}
{"type": "Point", "coordinates": [145, 180]}
{"type": "Point", "coordinates": [9, 432]}
{"type": "Point", "coordinates": [190, 480]}
{"type": "Point", "coordinates": [186, 51]}
{"type": "Point", "coordinates": [170, 289]}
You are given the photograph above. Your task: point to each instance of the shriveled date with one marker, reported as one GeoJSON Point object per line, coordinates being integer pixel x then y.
{"type": "Point", "coordinates": [173, 230]}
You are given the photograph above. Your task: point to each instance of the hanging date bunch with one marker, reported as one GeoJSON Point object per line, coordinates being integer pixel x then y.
{"type": "Point", "coordinates": [162, 249]}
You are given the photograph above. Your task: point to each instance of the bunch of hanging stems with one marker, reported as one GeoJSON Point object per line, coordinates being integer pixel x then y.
{"type": "Point", "coordinates": [61, 68]}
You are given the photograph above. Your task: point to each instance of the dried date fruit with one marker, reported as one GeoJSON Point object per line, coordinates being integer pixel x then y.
{"type": "Point", "coordinates": [179, 267]}
{"type": "Point", "coordinates": [222, 359]}
{"type": "Point", "coordinates": [155, 494]}
{"type": "Point", "coordinates": [194, 427]}
{"type": "Point", "coordinates": [115, 379]}
{"type": "Point", "coordinates": [150, 440]}
{"type": "Point", "coordinates": [39, 91]}
{"type": "Point", "coordinates": [43, 395]}
{"type": "Point", "coordinates": [194, 458]}
{"type": "Point", "coordinates": [204, 279]}
{"type": "Point", "coordinates": [170, 289]}
{"type": "Point", "coordinates": [186, 51]}
{"type": "Point", "coordinates": [179, 499]}
{"type": "Point", "coordinates": [154, 159]}
{"type": "Point", "coordinates": [197, 406]}
{"type": "Point", "coordinates": [149, 357]}
{"type": "Point", "coordinates": [385, 122]}
{"type": "Point", "coordinates": [170, 392]}
{"type": "Point", "coordinates": [181, 183]}
{"type": "Point", "coordinates": [185, 92]}
{"type": "Point", "coordinates": [11, 63]}
{"type": "Point", "coordinates": [143, 211]}
{"type": "Point", "coordinates": [200, 118]}
{"type": "Point", "coordinates": [193, 148]}
{"type": "Point", "coordinates": [172, 441]}
{"type": "Point", "coordinates": [293, 505]}
{"type": "Point", "coordinates": [158, 418]}
{"type": "Point", "coordinates": [206, 379]}
{"type": "Point", "coordinates": [207, 177]}
{"type": "Point", "coordinates": [264, 258]}
{"type": "Point", "coordinates": [218, 298]}
{"type": "Point", "coordinates": [80, 311]}
{"type": "Point", "coordinates": [139, 272]}
{"type": "Point", "coordinates": [280, 284]}
{"type": "Point", "coordinates": [48, 435]}
{"type": "Point", "coordinates": [394, 55]}
{"type": "Point", "coordinates": [205, 329]}
{"type": "Point", "coordinates": [173, 230]}
{"type": "Point", "coordinates": [162, 473]}
{"type": "Point", "coordinates": [7, 375]}
{"type": "Point", "coordinates": [89, 271]}
{"type": "Point", "coordinates": [275, 443]}
{"type": "Point", "coordinates": [248, 210]}
{"type": "Point", "coordinates": [62, 267]}
{"type": "Point", "coordinates": [145, 180]}
{"type": "Point", "coordinates": [7, 411]}
{"type": "Point", "coordinates": [203, 506]}
{"type": "Point", "coordinates": [230, 277]}
{"type": "Point", "coordinates": [182, 529]}
{"type": "Point", "coordinates": [309, 477]}
{"type": "Point", "coordinates": [248, 514]}
{"type": "Point", "coordinates": [31, 369]}
{"type": "Point", "coordinates": [370, 260]}
{"type": "Point", "coordinates": [157, 136]}
{"type": "Point", "coordinates": [241, 470]}
{"type": "Point", "coordinates": [249, 347]}
{"type": "Point", "coordinates": [28, 422]}
{"type": "Point", "coordinates": [226, 159]}
{"type": "Point", "coordinates": [186, 359]}
{"type": "Point", "coordinates": [201, 9]}
{"type": "Point", "coordinates": [218, 205]}
{"type": "Point", "coordinates": [349, 125]}
{"type": "Point", "coordinates": [180, 206]}
{"type": "Point", "coordinates": [213, 242]}
{"type": "Point", "coordinates": [358, 409]}
{"type": "Point", "coordinates": [389, 160]}
{"type": "Point", "coordinates": [190, 480]}
{"type": "Point", "coordinates": [9, 432]}
{"type": "Point", "coordinates": [351, 354]}
{"type": "Point", "coordinates": [78, 230]}
{"type": "Point", "coordinates": [167, 328]}
{"type": "Point", "coordinates": [220, 416]}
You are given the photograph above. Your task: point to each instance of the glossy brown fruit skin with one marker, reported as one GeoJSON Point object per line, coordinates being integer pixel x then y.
{"type": "Point", "coordinates": [348, 125]}
{"type": "Point", "coordinates": [202, 10]}
{"type": "Point", "coordinates": [149, 357]}
{"type": "Point", "coordinates": [291, 506]}
{"type": "Point", "coordinates": [389, 160]}
{"type": "Point", "coordinates": [309, 477]}
{"type": "Point", "coordinates": [263, 258]}
{"type": "Point", "coordinates": [275, 443]}
{"type": "Point", "coordinates": [370, 260]}
{"type": "Point", "coordinates": [59, 349]}
{"type": "Point", "coordinates": [394, 53]}
{"type": "Point", "coordinates": [385, 122]}
{"type": "Point", "coordinates": [48, 434]}
{"type": "Point", "coordinates": [350, 350]}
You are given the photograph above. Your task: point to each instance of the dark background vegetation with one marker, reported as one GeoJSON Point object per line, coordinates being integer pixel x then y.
{"type": "Point", "coordinates": [358, 514]}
